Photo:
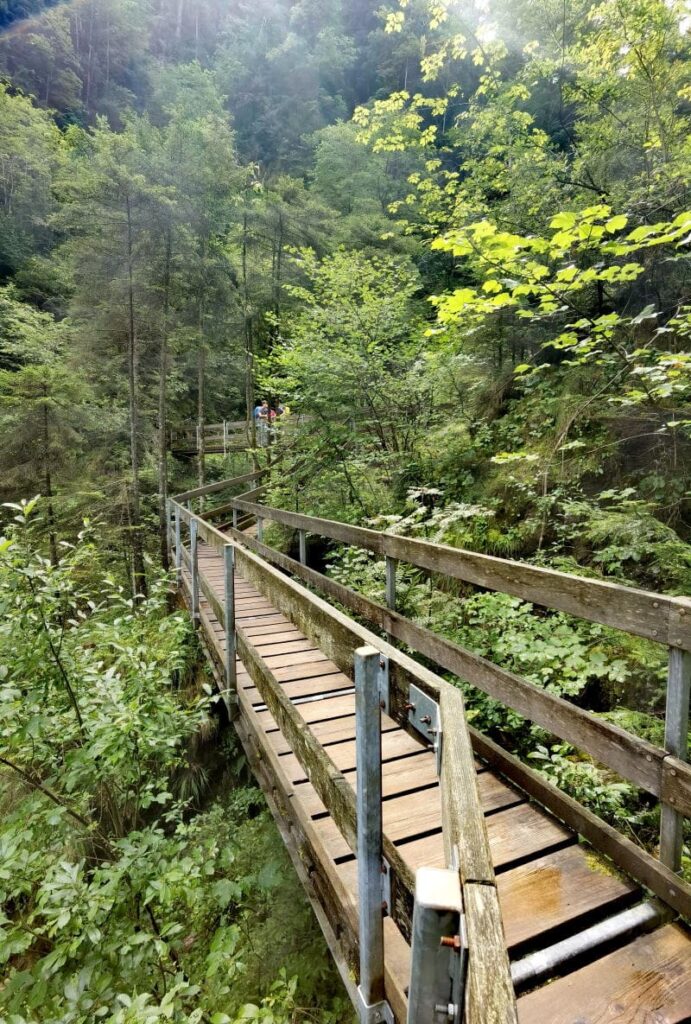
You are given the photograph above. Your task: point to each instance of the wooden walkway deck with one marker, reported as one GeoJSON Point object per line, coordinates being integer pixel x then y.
{"type": "Point", "coordinates": [550, 886]}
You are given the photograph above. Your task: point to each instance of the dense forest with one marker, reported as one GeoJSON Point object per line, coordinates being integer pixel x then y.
{"type": "Point", "coordinates": [453, 237]}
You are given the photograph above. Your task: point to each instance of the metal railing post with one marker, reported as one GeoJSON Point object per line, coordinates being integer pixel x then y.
{"type": "Point", "coordinates": [231, 668]}
{"type": "Point", "coordinates": [372, 1005]}
{"type": "Point", "coordinates": [194, 560]}
{"type": "Point", "coordinates": [391, 564]}
{"type": "Point", "coordinates": [178, 544]}
{"type": "Point", "coordinates": [302, 542]}
{"type": "Point", "coordinates": [676, 743]}
{"type": "Point", "coordinates": [437, 961]}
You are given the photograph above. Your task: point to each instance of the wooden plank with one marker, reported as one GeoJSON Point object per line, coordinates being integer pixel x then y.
{"type": "Point", "coordinates": [561, 891]}
{"type": "Point", "coordinates": [625, 854]}
{"type": "Point", "coordinates": [396, 746]}
{"type": "Point", "coordinates": [465, 836]}
{"type": "Point", "coordinates": [307, 687]}
{"type": "Point", "coordinates": [647, 981]}
{"type": "Point", "coordinates": [326, 709]}
{"type": "Point", "coordinates": [489, 998]}
{"type": "Point", "coordinates": [199, 492]}
{"type": "Point", "coordinates": [515, 834]}
{"type": "Point", "coordinates": [284, 647]}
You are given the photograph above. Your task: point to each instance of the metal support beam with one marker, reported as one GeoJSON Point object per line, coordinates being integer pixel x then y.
{"type": "Point", "coordinates": [302, 542]}
{"type": "Point", "coordinates": [391, 565]}
{"type": "Point", "coordinates": [676, 742]}
{"type": "Point", "coordinates": [194, 559]}
{"type": "Point", "coordinates": [178, 545]}
{"type": "Point", "coordinates": [629, 923]}
{"type": "Point", "coordinates": [372, 1006]}
{"type": "Point", "coordinates": [231, 694]}
{"type": "Point", "coordinates": [439, 949]}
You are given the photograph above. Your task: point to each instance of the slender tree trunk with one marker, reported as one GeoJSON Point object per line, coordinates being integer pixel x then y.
{"type": "Point", "coordinates": [162, 413]}
{"type": "Point", "coordinates": [201, 389]}
{"type": "Point", "coordinates": [138, 569]}
{"type": "Point", "coordinates": [52, 540]}
{"type": "Point", "coordinates": [249, 353]}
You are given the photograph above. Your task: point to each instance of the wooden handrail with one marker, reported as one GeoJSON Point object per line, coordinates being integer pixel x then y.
{"type": "Point", "coordinates": [654, 616]}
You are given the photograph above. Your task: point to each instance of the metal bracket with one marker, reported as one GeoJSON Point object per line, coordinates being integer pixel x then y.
{"type": "Point", "coordinates": [386, 885]}
{"type": "Point", "coordinates": [383, 683]}
{"type": "Point", "coordinates": [373, 1013]}
{"type": "Point", "coordinates": [423, 715]}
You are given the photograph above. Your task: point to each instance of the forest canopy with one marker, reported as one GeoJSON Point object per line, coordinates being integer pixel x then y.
{"type": "Point", "coordinates": [453, 239]}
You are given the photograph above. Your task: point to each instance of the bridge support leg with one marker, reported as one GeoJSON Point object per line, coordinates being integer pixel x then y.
{"type": "Point", "coordinates": [178, 546]}
{"type": "Point", "coordinates": [302, 541]}
{"type": "Point", "coordinates": [194, 559]}
{"type": "Point", "coordinates": [372, 1008]}
{"type": "Point", "coordinates": [231, 668]}
{"type": "Point", "coordinates": [676, 743]}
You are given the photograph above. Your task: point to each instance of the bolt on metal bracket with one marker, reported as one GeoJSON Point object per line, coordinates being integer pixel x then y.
{"type": "Point", "coordinates": [423, 715]}
{"type": "Point", "coordinates": [383, 682]}
{"type": "Point", "coordinates": [386, 884]}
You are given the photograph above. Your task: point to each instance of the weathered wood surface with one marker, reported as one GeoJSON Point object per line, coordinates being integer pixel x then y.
{"type": "Point", "coordinates": [655, 616]}
{"type": "Point", "coordinates": [530, 849]}
{"type": "Point", "coordinates": [646, 982]}
{"type": "Point", "coordinates": [466, 845]}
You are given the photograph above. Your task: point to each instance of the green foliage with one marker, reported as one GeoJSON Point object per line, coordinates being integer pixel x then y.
{"type": "Point", "coordinates": [118, 902]}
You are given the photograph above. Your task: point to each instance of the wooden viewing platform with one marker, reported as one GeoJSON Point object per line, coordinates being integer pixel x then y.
{"type": "Point", "coordinates": [455, 845]}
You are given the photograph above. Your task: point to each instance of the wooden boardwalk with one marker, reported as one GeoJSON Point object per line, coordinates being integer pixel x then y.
{"type": "Point", "coordinates": [551, 886]}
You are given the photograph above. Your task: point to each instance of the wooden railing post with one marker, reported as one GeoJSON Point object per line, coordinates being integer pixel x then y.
{"type": "Point", "coordinates": [676, 743]}
{"type": "Point", "coordinates": [302, 542]}
{"type": "Point", "coordinates": [194, 562]}
{"type": "Point", "coordinates": [391, 564]}
{"type": "Point", "coordinates": [371, 1004]}
{"type": "Point", "coordinates": [235, 519]}
{"type": "Point", "coordinates": [178, 545]}
{"type": "Point", "coordinates": [260, 529]}
{"type": "Point", "coordinates": [225, 437]}
{"type": "Point", "coordinates": [231, 668]}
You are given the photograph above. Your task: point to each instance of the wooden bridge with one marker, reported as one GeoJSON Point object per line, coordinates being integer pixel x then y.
{"type": "Point", "coordinates": [451, 881]}
{"type": "Point", "coordinates": [209, 438]}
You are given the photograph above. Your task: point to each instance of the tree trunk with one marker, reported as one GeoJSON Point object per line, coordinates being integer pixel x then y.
{"type": "Point", "coordinates": [52, 540]}
{"type": "Point", "coordinates": [138, 569]}
{"type": "Point", "coordinates": [201, 395]}
{"type": "Point", "coordinates": [162, 413]}
{"type": "Point", "coordinates": [249, 353]}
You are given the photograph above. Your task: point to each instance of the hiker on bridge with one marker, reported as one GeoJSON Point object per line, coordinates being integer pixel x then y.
{"type": "Point", "coordinates": [261, 421]}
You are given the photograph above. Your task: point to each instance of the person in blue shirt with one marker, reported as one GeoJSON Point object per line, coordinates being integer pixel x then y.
{"type": "Point", "coordinates": [261, 422]}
